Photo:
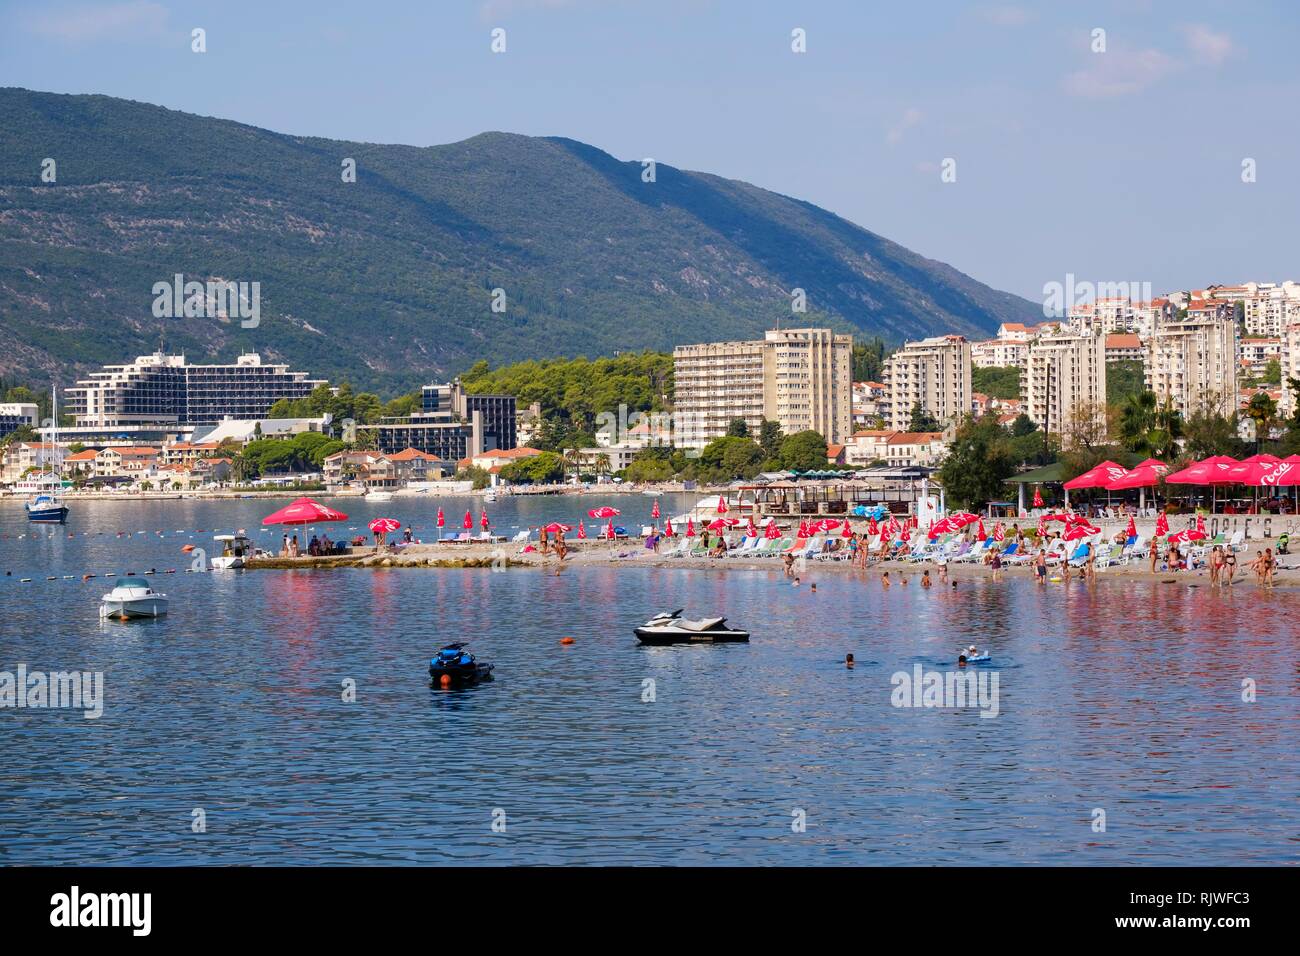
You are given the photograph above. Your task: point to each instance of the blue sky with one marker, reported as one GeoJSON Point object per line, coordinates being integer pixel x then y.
{"type": "Point", "coordinates": [1122, 165]}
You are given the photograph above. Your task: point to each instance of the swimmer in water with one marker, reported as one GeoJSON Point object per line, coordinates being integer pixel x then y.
{"type": "Point", "coordinates": [813, 587]}
{"type": "Point", "coordinates": [961, 660]}
{"type": "Point", "coordinates": [884, 579]}
{"type": "Point", "coordinates": [848, 661]}
{"type": "Point", "coordinates": [925, 578]}
{"type": "Point", "coordinates": [795, 583]}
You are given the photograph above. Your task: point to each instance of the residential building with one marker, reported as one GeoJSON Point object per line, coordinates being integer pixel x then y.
{"type": "Point", "coordinates": [935, 374]}
{"type": "Point", "coordinates": [867, 446]}
{"type": "Point", "coordinates": [1256, 352]}
{"type": "Point", "coordinates": [130, 461]}
{"type": "Point", "coordinates": [926, 449]}
{"type": "Point", "coordinates": [1194, 360]}
{"type": "Point", "coordinates": [1289, 357]}
{"type": "Point", "coordinates": [499, 413]}
{"type": "Point", "coordinates": [1124, 347]}
{"type": "Point", "coordinates": [868, 404]}
{"type": "Point", "coordinates": [799, 378]}
{"type": "Point", "coordinates": [1064, 370]}
{"type": "Point", "coordinates": [164, 389]}
{"type": "Point", "coordinates": [22, 456]}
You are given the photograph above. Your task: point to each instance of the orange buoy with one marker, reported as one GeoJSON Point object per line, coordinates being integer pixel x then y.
{"type": "Point", "coordinates": [188, 548]}
{"type": "Point", "coordinates": [566, 640]}
{"type": "Point", "coordinates": [445, 680]}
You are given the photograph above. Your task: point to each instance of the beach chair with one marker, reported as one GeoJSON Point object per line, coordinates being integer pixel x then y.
{"type": "Point", "coordinates": [1056, 553]}
{"type": "Point", "coordinates": [1079, 557]}
{"type": "Point", "coordinates": [1110, 556]}
{"type": "Point", "coordinates": [1238, 541]}
{"type": "Point", "coordinates": [748, 546]}
{"type": "Point", "coordinates": [976, 553]}
{"type": "Point", "coordinates": [1140, 548]}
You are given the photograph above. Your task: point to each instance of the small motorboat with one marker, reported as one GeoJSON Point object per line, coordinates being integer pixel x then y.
{"type": "Point", "coordinates": [236, 549]}
{"type": "Point", "coordinates": [379, 496]}
{"type": "Point", "coordinates": [133, 600]}
{"type": "Point", "coordinates": [456, 667]}
{"type": "Point", "coordinates": [675, 629]}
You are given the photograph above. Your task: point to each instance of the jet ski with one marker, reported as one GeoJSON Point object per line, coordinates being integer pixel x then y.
{"type": "Point", "coordinates": [675, 629]}
{"type": "Point", "coordinates": [456, 667]}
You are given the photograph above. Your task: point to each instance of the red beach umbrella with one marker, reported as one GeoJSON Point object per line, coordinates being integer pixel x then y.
{"type": "Point", "coordinates": [1162, 524]}
{"type": "Point", "coordinates": [772, 532]}
{"type": "Point", "coordinates": [1097, 477]}
{"type": "Point", "coordinates": [998, 533]}
{"type": "Point", "coordinates": [603, 512]}
{"type": "Point", "coordinates": [304, 511]}
{"type": "Point", "coordinates": [751, 530]}
{"type": "Point", "coordinates": [1191, 534]}
{"type": "Point", "coordinates": [1143, 476]}
{"type": "Point", "coordinates": [719, 524]}
{"type": "Point", "coordinates": [1131, 531]}
{"type": "Point", "coordinates": [1212, 471]}
{"type": "Point", "coordinates": [722, 505]}
{"type": "Point", "coordinates": [668, 529]}
{"type": "Point", "coordinates": [556, 528]}
{"type": "Point", "coordinates": [441, 519]}
{"type": "Point", "coordinates": [609, 530]}
{"type": "Point", "coordinates": [872, 528]}
{"type": "Point", "coordinates": [468, 523]}
{"type": "Point", "coordinates": [690, 527]}
{"type": "Point", "coordinates": [384, 525]}
{"type": "Point", "coordinates": [981, 535]}
{"type": "Point", "coordinates": [1038, 497]}
{"type": "Point", "coordinates": [847, 532]}
{"type": "Point", "coordinates": [483, 520]}
{"type": "Point", "coordinates": [654, 512]}
{"type": "Point", "coordinates": [1080, 530]}
{"type": "Point", "coordinates": [582, 531]}
{"type": "Point", "coordinates": [904, 535]}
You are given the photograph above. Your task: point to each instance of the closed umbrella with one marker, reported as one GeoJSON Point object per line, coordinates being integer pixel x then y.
{"type": "Point", "coordinates": [847, 532]}
{"type": "Point", "coordinates": [468, 523]}
{"type": "Point", "coordinates": [654, 512]}
{"type": "Point", "coordinates": [441, 518]}
{"type": "Point", "coordinates": [690, 527]}
{"type": "Point", "coordinates": [1162, 524]}
{"type": "Point", "coordinates": [981, 535]}
{"type": "Point", "coordinates": [751, 529]}
{"type": "Point", "coordinates": [582, 531]}
{"type": "Point", "coordinates": [1038, 497]}
{"type": "Point", "coordinates": [668, 529]}
{"type": "Point", "coordinates": [722, 505]}
{"type": "Point", "coordinates": [483, 520]}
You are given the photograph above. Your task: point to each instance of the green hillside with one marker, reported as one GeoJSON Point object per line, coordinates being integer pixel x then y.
{"type": "Point", "coordinates": [388, 281]}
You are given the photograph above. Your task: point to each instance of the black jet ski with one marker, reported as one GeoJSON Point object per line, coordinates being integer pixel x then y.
{"type": "Point", "coordinates": [456, 667]}
{"type": "Point", "coordinates": [675, 629]}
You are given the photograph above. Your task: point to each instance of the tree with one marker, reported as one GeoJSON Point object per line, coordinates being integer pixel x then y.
{"type": "Point", "coordinates": [1148, 427]}
{"type": "Point", "coordinates": [738, 428]}
{"type": "Point", "coordinates": [803, 451]}
{"type": "Point", "coordinates": [923, 421]}
{"type": "Point", "coordinates": [732, 457]}
{"type": "Point", "coordinates": [1273, 372]}
{"type": "Point", "coordinates": [1022, 425]}
{"type": "Point", "coordinates": [997, 381]}
{"type": "Point", "coordinates": [1083, 439]}
{"type": "Point", "coordinates": [979, 462]}
{"type": "Point", "coordinates": [868, 360]}
{"type": "Point", "coordinates": [1211, 431]}
{"type": "Point", "coordinates": [546, 468]}
{"type": "Point", "coordinates": [1123, 379]}
{"type": "Point", "coordinates": [1262, 410]}
{"type": "Point", "coordinates": [769, 439]}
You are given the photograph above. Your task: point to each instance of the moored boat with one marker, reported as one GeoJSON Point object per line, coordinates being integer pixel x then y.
{"type": "Point", "coordinates": [133, 600]}
{"type": "Point", "coordinates": [675, 629]}
{"type": "Point", "coordinates": [46, 508]}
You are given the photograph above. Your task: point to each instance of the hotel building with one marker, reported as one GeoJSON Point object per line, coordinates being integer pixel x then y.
{"type": "Point", "coordinates": [799, 378]}
{"type": "Point", "coordinates": [452, 424]}
{"type": "Point", "coordinates": [1063, 370]}
{"type": "Point", "coordinates": [934, 373]}
{"type": "Point", "coordinates": [14, 415]}
{"type": "Point", "coordinates": [166, 390]}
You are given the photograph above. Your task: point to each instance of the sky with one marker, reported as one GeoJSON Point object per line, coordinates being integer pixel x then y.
{"type": "Point", "coordinates": [1112, 157]}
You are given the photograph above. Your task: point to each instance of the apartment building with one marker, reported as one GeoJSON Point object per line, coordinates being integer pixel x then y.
{"type": "Point", "coordinates": [452, 424]}
{"type": "Point", "coordinates": [1289, 356]}
{"type": "Point", "coordinates": [1254, 353]}
{"type": "Point", "coordinates": [904, 449]}
{"type": "Point", "coordinates": [1192, 360]}
{"type": "Point", "coordinates": [934, 373]}
{"type": "Point", "coordinates": [14, 415]}
{"type": "Point", "coordinates": [1124, 347]}
{"type": "Point", "coordinates": [799, 378]}
{"type": "Point", "coordinates": [1063, 371]}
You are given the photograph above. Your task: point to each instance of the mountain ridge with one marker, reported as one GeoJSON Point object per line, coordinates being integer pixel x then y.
{"type": "Point", "coordinates": [388, 281]}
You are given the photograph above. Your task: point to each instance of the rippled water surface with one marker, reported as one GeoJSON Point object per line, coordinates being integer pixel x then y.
{"type": "Point", "coordinates": [1120, 697]}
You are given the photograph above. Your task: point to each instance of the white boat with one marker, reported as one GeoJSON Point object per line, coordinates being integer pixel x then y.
{"type": "Point", "coordinates": [235, 551]}
{"type": "Point", "coordinates": [133, 600]}
{"type": "Point", "coordinates": [489, 497]}
{"type": "Point", "coordinates": [377, 495]}
{"type": "Point", "coordinates": [675, 629]}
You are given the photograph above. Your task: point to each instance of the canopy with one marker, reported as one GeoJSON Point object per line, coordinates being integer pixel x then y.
{"type": "Point", "coordinates": [384, 525]}
{"type": "Point", "coordinates": [954, 522]}
{"type": "Point", "coordinates": [1212, 471]}
{"type": "Point", "coordinates": [1080, 530]}
{"type": "Point", "coordinates": [304, 511]}
{"type": "Point", "coordinates": [1143, 476]}
{"type": "Point", "coordinates": [556, 528]}
{"type": "Point", "coordinates": [606, 511]}
{"type": "Point", "coordinates": [1097, 477]}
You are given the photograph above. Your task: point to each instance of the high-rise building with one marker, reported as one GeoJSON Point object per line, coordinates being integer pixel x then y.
{"type": "Point", "coordinates": [935, 374]}
{"type": "Point", "coordinates": [1194, 360]}
{"type": "Point", "coordinates": [14, 415]}
{"type": "Point", "coordinates": [1064, 372]}
{"type": "Point", "coordinates": [799, 378]}
{"type": "Point", "coordinates": [1290, 362]}
{"type": "Point", "coordinates": [163, 389]}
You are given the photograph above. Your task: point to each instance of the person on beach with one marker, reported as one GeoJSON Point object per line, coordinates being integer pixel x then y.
{"type": "Point", "coordinates": [721, 550]}
{"type": "Point", "coordinates": [1230, 565]}
{"type": "Point", "coordinates": [561, 549]}
{"type": "Point", "coordinates": [943, 570]}
{"type": "Point", "coordinates": [1270, 563]}
{"type": "Point", "coordinates": [543, 541]}
{"type": "Point", "coordinates": [1040, 565]}
{"type": "Point", "coordinates": [796, 582]}
{"type": "Point", "coordinates": [1257, 565]}
{"type": "Point", "coordinates": [925, 578]}
{"type": "Point", "coordinates": [284, 546]}
{"type": "Point", "coordinates": [1155, 553]}
{"type": "Point", "coordinates": [788, 560]}
{"type": "Point", "coordinates": [995, 562]}
{"type": "Point", "coordinates": [813, 587]}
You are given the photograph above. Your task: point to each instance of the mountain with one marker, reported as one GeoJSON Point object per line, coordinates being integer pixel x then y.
{"type": "Point", "coordinates": [388, 281]}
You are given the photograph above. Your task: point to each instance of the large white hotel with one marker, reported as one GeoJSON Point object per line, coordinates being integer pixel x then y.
{"type": "Point", "coordinates": [799, 378]}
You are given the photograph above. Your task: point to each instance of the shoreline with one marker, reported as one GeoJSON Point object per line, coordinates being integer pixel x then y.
{"type": "Point", "coordinates": [483, 555]}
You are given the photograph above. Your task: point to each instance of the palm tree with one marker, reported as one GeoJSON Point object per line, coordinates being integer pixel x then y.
{"type": "Point", "coordinates": [602, 465]}
{"type": "Point", "coordinates": [573, 459]}
{"type": "Point", "coordinates": [1262, 410]}
{"type": "Point", "coordinates": [1137, 416]}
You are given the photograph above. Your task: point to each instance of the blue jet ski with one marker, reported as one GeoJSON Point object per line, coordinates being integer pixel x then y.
{"type": "Point", "coordinates": [456, 667]}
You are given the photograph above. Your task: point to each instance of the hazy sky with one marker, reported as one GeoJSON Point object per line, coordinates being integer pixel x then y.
{"type": "Point", "coordinates": [1117, 165]}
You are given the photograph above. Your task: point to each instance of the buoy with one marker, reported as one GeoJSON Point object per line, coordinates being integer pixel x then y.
{"type": "Point", "coordinates": [445, 680]}
{"type": "Point", "coordinates": [566, 640]}
{"type": "Point", "coordinates": [188, 548]}
{"type": "Point", "coordinates": [86, 577]}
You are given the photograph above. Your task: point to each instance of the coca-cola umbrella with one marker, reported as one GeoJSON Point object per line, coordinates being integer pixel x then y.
{"type": "Point", "coordinates": [1097, 476]}
{"type": "Point", "coordinates": [1162, 524]}
{"type": "Point", "coordinates": [483, 521]}
{"type": "Point", "coordinates": [751, 529]}
{"type": "Point", "coordinates": [304, 511]}
{"type": "Point", "coordinates": [1197, 533]}
{"type": "Point", "coordinates": [654, 512]}
{"type": "Point", "coordinates": [582, 531]}
{"type": "Point", "coordinates": [998, 533]}
{"type": "Point", "coordinates": [556, 528]}
{"type": "Point", "coordinates": [722, 505]}
{"type": "Point", "coordinates": [721, 524]}
{"type": "Point", "coordinates": [385, 525]}
{"type": "Point", "coordinates": [605, 512]}
{"type": "Point", "coordinates": [609, 530]}
{"type": "Point", "coordinates": [771, 532]}
{"type": "Point", "coordinates": [1079, 530]}
{"type": "Point", "coordinates": [980, 535]}
{"type": "Point", "coordinates": [1038, 497]}
{"type": "Point", "coordinates": [847, 531]}
{"type": "Point", "coordinates": [1131, 531]}
{"type": "Point", "coordinates": [690, 527]}
{"type": "Point", "coordinates": [468, 523]}
{"type": "Point", "coordinates": [441, 518]}
{"type": "Point", "coordinates": [1212, 471]}
{"type": "Point", "coordinates": [668, 529]}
